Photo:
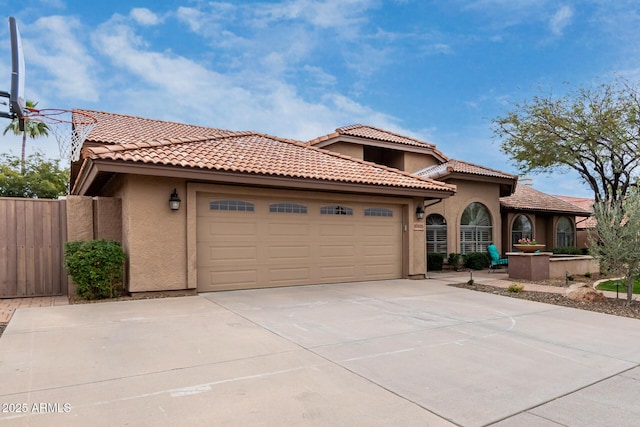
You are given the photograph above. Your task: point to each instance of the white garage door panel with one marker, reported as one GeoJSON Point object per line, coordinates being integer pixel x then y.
{"type": "Point", "coordinates": [232, 277]}
{"type": "Point", "coordinates": [378, 271]}
{"type": "Point", "coordinates": [231, 228]}
{"type": "Point", "coordinates": [288, 275]}
{"type": "Point", "coordinates": [336, 251]}
{"type": "Point", "coordinates": [288, 230]}
{"type": "Point", "coordinates": [336, 273]}
{"type": "Point", "coordinates": [237, 250]}
{"type": "Point", "coordinates": [289, 253]}
{"type": "Point", "coordinates": [338, 229]}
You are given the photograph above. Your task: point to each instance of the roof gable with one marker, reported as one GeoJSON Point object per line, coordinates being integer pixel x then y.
{"type": "Point", "coordinates": [457, 166]}
{"type": "Point", "coordinates": [385, 137]}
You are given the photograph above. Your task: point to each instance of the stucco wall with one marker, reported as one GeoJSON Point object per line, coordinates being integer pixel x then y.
{"type": "Point", "coordinates": [107, 218]}
{"type": "Point", "coordinates": [79, 218]}
{"type": "Point", "coordinates": [418, 256]}
{"type": "Point", "coordinates": [453, 207]}
{"type": "Point", "coordinates": [413, 162]}
{"type": "Point", "coordinates": [154, 236]}
{"type": "Point", "coordinates": [353, 150]}
{"type": "Point", "coordinates": [559, 266]}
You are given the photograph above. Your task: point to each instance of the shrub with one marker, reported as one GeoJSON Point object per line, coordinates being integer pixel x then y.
{"type": "Point", "coordinates": [96, 267]}
{"type": "Point", "coordinates": [434, 262]}
{"type": "Point", "coordinates": [476, 260]}
{"type": "Point", "coordinates": [455, 261]}
{"type": "Point", "coordinates": [515, 288]}
{"type": "Point", "coordinates": [568, 250]}
{"type": "Point", "coordinates": [587, 274]}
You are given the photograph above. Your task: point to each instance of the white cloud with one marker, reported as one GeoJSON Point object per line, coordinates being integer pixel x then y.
{"type": "Point", "coordinates": [342, 15]}
{"type": "Point", "coordinates": [173, 87]}
{"type": "Point", "coordinates": [144, 16]}
{"type": "Point", "coordinates": [55, 45]}
{"type": "Point", "coordinates": [319, 76]}
{"type": "Point", "coordinates": [560, 20]}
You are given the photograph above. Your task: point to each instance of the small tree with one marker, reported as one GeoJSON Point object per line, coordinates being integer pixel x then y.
{"type": "Point", "coordinates": [39, 178]}
{"type": "Point", "coordinates": [616, 242]}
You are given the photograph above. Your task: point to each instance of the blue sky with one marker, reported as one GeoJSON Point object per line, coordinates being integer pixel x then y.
{"type": "Point", "coordinates": [436, 70]}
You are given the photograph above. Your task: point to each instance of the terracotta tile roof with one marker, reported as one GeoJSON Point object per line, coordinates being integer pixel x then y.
{"type": "Point", "coordinates": [527, 198]}
{"type": "Point", "coordinates": [370, 132]}
{"type": "Point", "coordinates": [114, 128]}
{"type": "Point", "coordinates": [458, 166]}
{"type": "Point", "coordinates": [585, 203]}
{"type": "Point", "coordinates": [254, 153]}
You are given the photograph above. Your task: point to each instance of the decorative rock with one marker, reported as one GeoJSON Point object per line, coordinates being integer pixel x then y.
{"type": "Point", "coordinates": [585, 294]}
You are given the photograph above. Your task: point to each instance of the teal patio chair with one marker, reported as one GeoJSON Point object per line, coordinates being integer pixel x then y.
{"type": "Point", "coordinates": [495, 259]}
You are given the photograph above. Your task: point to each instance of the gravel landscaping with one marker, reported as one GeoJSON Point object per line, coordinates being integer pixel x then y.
{"type": "Point", "coordinates": [610, 306]}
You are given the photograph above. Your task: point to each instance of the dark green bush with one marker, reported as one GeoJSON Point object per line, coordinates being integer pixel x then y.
{"type": "Point", "coordinates": [455, 261]}
{"type": "Point", "coordinates": [476, 260]}
{"type": "Point", "coordinates": [434, 262]}
{"type": "Point", "coordinates": [96, 267]}
{"type": "Point", "coordinates": [568, 250]}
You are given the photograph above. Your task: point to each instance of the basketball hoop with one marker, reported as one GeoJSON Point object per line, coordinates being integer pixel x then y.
{"type": "Point", "coordinates": [70, 127]}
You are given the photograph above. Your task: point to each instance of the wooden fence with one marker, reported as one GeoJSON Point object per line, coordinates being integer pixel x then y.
{"type": "Point", "coordinates": [32, 236]}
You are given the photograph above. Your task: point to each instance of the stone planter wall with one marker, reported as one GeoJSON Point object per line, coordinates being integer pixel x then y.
{"type": "Point", "coordinates": [542, 266]}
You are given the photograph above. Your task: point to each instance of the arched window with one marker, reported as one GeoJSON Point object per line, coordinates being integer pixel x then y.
{"type": "Point", "coordinates": [476, 228]}
{"type": "Point", "coordinates": [564, 233]}
{"type": "Point", "coordinates": [436, 234]}
{"type": "Point", "coordinates": [521, 229]}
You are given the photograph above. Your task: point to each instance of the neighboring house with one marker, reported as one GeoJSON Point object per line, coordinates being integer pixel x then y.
{"type": "Point", "coordinates": [257, 211]}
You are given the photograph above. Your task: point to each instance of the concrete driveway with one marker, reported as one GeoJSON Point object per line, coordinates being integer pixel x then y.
{"type": "Point", "coordinates": [390, 353]}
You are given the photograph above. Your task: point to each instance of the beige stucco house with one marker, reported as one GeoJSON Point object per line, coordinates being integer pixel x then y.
{"type": "Point", "coordinates": [257, 211]}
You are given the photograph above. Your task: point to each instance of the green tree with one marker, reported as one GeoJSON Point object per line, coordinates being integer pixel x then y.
{"type": "Point", "coordinates": [616, 242]}
{"type": "Point", "coordinates": [37, 177]}
{"type": "Point", "coordinates": [594, 131]}
{"type": "Point", "coordinates": [32, 129]}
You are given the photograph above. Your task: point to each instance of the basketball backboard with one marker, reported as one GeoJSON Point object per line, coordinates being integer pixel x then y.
{"type": "Point", "coordinates": [16, 96]}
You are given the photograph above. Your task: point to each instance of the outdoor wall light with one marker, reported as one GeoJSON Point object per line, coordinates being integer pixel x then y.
{"type": "Point", "coordinates": [419, 212]}
{"type": "Point", "coordinates": [174, 201]}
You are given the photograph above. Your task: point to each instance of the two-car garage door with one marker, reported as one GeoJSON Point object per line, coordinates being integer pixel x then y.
{"type": "Point", "coordinates": [254, 242]}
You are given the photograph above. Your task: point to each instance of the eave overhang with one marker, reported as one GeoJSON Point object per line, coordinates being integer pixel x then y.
{"type": "Point", "coordinates": [96, 173]}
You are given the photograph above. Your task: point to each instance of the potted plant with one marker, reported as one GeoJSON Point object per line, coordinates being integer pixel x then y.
{"type": "Point", "coordinates": [528, 245]}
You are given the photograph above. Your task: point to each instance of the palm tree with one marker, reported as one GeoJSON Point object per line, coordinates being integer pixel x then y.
{"type": "Point", "coordinates": [32, 128]}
